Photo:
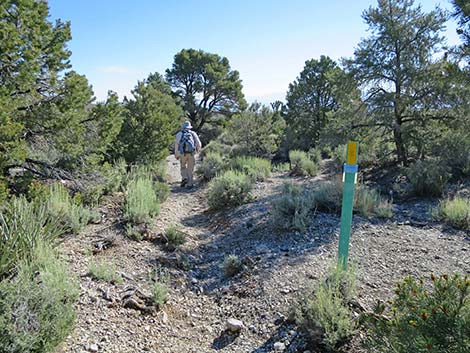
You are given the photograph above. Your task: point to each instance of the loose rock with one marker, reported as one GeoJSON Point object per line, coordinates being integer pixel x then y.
{"type": "Point", "coordinates": [234, 325]}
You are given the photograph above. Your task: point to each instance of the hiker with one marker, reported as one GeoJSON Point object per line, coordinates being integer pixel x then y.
{"type": "Point", "coordinates": [187, 144]}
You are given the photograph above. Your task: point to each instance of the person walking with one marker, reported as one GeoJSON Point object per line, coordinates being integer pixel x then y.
{"type": "Point", "coordinates": [187, 144]}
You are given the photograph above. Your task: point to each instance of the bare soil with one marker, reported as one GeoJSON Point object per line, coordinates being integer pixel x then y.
{"type": "Point", "coordinates": [278, 267]}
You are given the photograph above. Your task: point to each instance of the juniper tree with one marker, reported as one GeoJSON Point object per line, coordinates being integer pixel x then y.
{"type": "Point", "coordinates": [206, 85]}
{"type": "Point", "coordinates": [397, 67]}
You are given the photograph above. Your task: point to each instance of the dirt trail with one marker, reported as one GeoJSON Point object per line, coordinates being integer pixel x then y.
{"type": "Point", "coordinates": [278, 266]}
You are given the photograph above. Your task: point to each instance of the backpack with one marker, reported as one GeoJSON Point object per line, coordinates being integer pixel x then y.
{"type": "Point", "coordinates": [186, 144]}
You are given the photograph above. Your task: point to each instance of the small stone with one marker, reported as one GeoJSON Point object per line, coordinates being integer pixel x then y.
{"type": "Point", "coordinates": [164, 317]}
{"type": "Point", "coordinates": [194, 280]}
{"type": "Point", "coordinates": [234, 325]}
{"type": "Point", "coordinates": [93, 348]}
{"type": "Point", "coordinates": [279, 346]}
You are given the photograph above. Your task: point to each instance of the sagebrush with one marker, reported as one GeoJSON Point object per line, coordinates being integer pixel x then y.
{"type": "Point", "coordinates": [293, 208]}
{"type": "Point", "coordinates": [301, 164]}
{"type": "Point", "coordinates": [324, 314]}
{"type": "Point", "coordinates": [37, 305]}
{"type": "Point", "coordinates": [229, 189]}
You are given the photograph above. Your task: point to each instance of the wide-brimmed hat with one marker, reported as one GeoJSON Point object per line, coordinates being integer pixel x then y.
{"type": "Point", "coordinates": [186, 125]}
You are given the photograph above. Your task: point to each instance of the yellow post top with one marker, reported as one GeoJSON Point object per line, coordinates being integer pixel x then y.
{"type": "Point", "coordinates": [352, 153]}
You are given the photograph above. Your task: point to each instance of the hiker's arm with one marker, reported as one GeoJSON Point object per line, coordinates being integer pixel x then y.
{"type": "Point", "coordinates": [198, 143]}
{"type": "Point", "coordinates": [177, 142]}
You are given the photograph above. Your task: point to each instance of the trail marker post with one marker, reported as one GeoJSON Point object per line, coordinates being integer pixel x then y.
{"type": "Point", "coordinates": [349, 178]}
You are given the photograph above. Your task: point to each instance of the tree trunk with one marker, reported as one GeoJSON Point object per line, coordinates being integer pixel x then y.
{"type": "Point", "coordinates": [397, 136]}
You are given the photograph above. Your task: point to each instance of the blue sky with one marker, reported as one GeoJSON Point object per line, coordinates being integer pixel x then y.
{"type": "Point", "coordinates": [115, 43]}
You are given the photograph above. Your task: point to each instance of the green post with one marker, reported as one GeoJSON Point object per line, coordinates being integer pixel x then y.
{"type": "Point", "coordinates": [350, 170]}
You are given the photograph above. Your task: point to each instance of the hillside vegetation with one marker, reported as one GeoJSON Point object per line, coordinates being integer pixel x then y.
{"type": "Point", "coordinates": [102, 251]}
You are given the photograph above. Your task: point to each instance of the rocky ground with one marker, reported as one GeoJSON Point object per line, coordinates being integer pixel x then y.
{"type": "Point", "coordinates": [278, 266]}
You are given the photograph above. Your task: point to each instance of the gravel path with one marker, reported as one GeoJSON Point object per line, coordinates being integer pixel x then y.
{"type": "Point", "coordinates": [278, 267]}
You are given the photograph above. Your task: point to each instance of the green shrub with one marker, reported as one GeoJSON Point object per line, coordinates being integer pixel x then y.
{"type": "Point", "coordinates": [231, 266]}
{"type": "Point", "coordinates": [328, 196]}
{"type": "Point", "coordinates": [133, 232]}
{"type": "Point", "coordinates": [141, 201]}
{"type": "Point", "coordinates": [281, 167]}
{"type": "Point", "coordinates": [38, 192]}
{"type": "Point", "coordinates": [453, 149]}
{"type": "Point", "coordinates": [4, 191]}
{"type": "Point", "coordinates": [158, 170]}
{"type": "Point", "coordinates": [114, 175]}
{"type": "Point", "coordinates": [212, 165]}
{"type": "Point", "coordinates": [325, 314]}
{"type": "Point", "coordinates": [455, 211]}
{"type": "Point", "coordinates": [103, 271]}
{"type": "Point", "coordinates": [159, 287]}
{"type": "Point", "coordinates": [314, 154]}
{"type": "Point", "coordinates": [216, 147]}
{"type": "Point", "coordinates": [427, 178]}
{"type": "Point", "coordinates": [91, 195]}
{"type": "Point", "coordinates": [339, 155]}
{"type": "Point", "coordinates": [73, 216]}
{"type": "Point", "coordinates": [23, 225]}
{"type": "Point", "coordinates": [257, 168]}
{"type": "Point", "coordinates": [229, 189]}
{"type": "Point", "coordinates": [162, 190]}
{"type": "Point", "coordinates": [256, 131]}
{"type": "Point", "coordinates": [372, 151]}
{"type": "Point", "coordinates": [173, 238]}
{"type": "Point", "coordinates": [301, 164]}
{"type": "Point", "coordinates": [293, 208]}
{"type": "Point", "coordinates": [367, 202]}
{"type": "Point", "coordinates": [37, 305]}
{"type": "Point", "coordinates": [423, 319]}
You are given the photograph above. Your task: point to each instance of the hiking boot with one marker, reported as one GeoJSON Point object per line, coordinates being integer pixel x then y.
{"type": "Point", "coordinates": [184, 182]}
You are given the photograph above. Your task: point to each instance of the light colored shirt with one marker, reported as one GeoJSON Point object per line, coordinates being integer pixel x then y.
{"type": "Point", "coordinates": [197, 142]}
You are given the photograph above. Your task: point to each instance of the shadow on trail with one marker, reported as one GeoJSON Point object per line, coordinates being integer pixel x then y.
{"type": "Point", "coordinates": [223, 340]}
{"type": "Point", "coordinates": [293, 343]}
{"type": "Point", "coordinates": [177, 189]}
{"type": "Point", "coordinates": [248, 233]}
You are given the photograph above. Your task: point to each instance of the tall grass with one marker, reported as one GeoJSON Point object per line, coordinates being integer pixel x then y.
{"type": "Point", "coordinates": [257, 168]}
{"type": "Point", "coordinates": [369, 202]}
{"type": "Point", "coordinates": [455, 212]}
{"type": "Point", "coordinates": [23, 225]}
{"type": "Point", "coordinates": [73, 216]}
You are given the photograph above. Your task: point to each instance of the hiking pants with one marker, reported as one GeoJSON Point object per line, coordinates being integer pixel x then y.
{"type": "Point", "coordinates": [187, 162]}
